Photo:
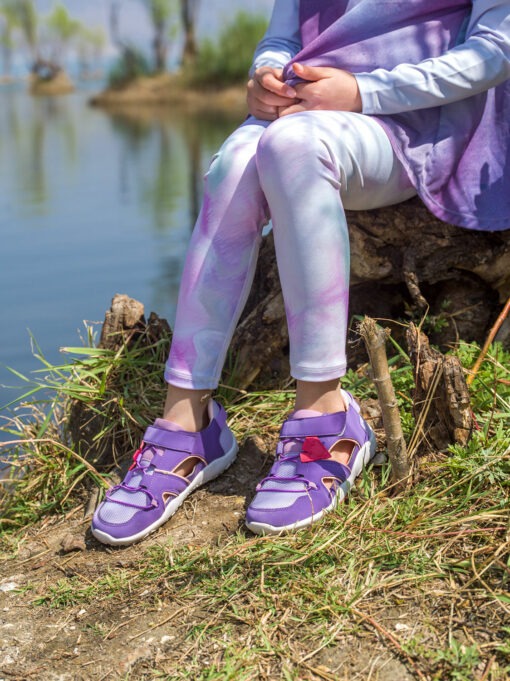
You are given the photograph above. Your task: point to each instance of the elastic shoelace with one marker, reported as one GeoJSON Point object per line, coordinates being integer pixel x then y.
{"type": "Point", "coordinates": [298, 477]}
{"type": "Point", "coordinates": [135, 468]}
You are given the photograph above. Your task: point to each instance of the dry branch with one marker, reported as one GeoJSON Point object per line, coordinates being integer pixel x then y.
{"type": "Point", "coordinates": [375, 341]}
{"type": "Point", "coordinates": [490, 338]}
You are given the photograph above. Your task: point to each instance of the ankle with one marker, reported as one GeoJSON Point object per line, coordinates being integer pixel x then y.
{"type": "Point", "coordinates": [324, 397]}
{"type": "Point", "coordinates": [187, 408]}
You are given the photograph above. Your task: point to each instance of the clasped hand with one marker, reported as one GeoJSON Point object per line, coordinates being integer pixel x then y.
{"type": "Point", "coordinates": [325, 88]}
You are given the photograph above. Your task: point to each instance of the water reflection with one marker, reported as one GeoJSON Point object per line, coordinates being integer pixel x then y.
{"type": "Point", "coordinates": [92, 203]}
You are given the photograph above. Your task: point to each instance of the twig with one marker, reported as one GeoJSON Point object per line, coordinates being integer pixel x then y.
{"type": "Point", "coordinates": [375, 341]}
{"type": "Point", "coordinates": [492, 334]}
{"type": "Point", "coordinates": [321, 647]}
{"type": "Point", "coordinates": [160, 624]}
{"type": "Point", "coordinates": [488, 668]}
{"type": "Point", "coordinates": [390, 638]}
{"type": "Point", "coordinates": [322, 673]}
{"type": "Point", "coordinates": [119, 626]}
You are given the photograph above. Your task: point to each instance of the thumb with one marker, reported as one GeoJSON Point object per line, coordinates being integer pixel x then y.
{"type": "Point", "coordinates": [311, 72]}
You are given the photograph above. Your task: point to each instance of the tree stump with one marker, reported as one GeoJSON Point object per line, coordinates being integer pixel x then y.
{"type": "Point", "coordinates": [441, 403]}
{"type": "Point", "coordinates": [402, 258]}
{"type": "Point", "coordinates": [95, 429]}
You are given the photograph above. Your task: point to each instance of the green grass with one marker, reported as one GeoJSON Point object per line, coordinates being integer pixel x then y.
{"type": "Point", "coordinates": [435, 560]}
{"type": "Point", "coordinates": [439, 550]}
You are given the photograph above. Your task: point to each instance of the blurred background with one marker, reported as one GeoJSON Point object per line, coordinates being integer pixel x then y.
{"type": "Point", "coordinates": [98, 200]}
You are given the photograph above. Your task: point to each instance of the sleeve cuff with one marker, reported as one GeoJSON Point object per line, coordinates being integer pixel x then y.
{"type": "Point", "coordinates": [368, 91]}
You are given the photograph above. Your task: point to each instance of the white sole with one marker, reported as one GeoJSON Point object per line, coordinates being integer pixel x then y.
{"type": "Point", "coordinates": [210, 472]}
{"type": "Point", "coordinates": [366, 454]}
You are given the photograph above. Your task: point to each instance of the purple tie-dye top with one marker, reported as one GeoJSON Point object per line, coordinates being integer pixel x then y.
{"type": "Point", "coordinates": [457, 155]}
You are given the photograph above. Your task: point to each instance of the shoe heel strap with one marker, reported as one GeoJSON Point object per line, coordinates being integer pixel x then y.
{"type": "Point", "coordinates": [169, 439]}
{"type": "Point", "coordinates": [218, 413]}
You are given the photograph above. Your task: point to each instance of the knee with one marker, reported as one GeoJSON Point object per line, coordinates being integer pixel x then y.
{"type": "Point", "coordinates": [235, 159]}
{"type": "Point", "coordinates": [287, 140]}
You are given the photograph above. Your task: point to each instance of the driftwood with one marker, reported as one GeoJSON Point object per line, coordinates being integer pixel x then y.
{"type": "Point", "coordinates": [402, 258]}
{"type": "Point", "coordinates": [375, 340]}
{"type": "Point", "coordinates": [441, 403]}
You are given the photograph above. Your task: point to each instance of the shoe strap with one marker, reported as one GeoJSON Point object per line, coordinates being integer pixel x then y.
{"type": "Point", "coordinates": [320, 426]}
{"type": "Point", "coordinates": [175, 440]}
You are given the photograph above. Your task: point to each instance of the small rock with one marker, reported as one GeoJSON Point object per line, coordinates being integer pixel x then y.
{"type": "Point", "coordinates": [400, 626]}
{"type": "Point", "coordinates": [71, 543]}
{"type": "Point", "coordinates": [8, 586]}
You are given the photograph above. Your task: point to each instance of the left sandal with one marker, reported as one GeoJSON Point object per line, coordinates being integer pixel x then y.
{"type": "Point", "coordinates": [305, 482]}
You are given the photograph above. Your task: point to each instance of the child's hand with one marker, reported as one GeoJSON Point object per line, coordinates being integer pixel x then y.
{"type": "Point", "coordinates": [267, 94]}
{"type": "Point", "coordinates": [329, 88]}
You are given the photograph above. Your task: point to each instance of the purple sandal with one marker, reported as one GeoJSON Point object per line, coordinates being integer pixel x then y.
{"type": "Point", "coordinates": [152, 491]}
{"type": "Point", "coordinates": [305, 482]}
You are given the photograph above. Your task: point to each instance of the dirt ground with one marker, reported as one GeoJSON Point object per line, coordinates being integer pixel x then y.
{"type": "Point", "coordinates": [102, 640]}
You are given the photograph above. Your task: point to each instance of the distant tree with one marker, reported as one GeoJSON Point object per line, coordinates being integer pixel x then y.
{"type": "Point", "coordinates": [90, 45]}
{"type": "Point", "coordinates": [114, 24]}
{"type": "Point", "coordinates": [62, 30]}
{"type": "Point", "coordinates": [160, 12]}
{"type": "Point", "coordinates": [25, 16]}
{"type": "Point", "coordinates": [132, 62]}
{"type": "Point", "coordinates": [189, 13]}
{"type": "Point", "coordinates": [8, 23]}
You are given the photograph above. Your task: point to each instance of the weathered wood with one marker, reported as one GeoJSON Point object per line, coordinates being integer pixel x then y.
{"type": "Point", "coordinates": [124, 325]}
{"type": "Point", "coordinates": [441, 403]}
{"type": "Point", "coordinates": [375, 340]}
{"type": "Point", "coordinates": [402, 257]}
{"type": "Point", "coordinates": [125, 317]}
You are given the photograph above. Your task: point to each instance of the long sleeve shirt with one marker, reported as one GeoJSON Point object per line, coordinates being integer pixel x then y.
{"type": "Point", "coordinates": [480, 60]}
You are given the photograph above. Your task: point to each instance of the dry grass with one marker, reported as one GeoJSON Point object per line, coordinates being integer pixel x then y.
{"type": "Point", "coordinates": [388, 587]}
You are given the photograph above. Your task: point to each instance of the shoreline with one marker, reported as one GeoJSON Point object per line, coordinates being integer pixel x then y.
{"type": "Point", "coordinates": [170, 90]}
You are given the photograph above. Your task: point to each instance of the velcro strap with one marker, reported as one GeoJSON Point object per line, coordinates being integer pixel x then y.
{"type": "Point", "coordinates": [321, 426]}
{"type": "Point", "coordinates": [168, 439]}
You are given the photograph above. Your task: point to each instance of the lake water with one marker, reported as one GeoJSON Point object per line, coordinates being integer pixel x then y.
{"type": "Point", "coordinates": [91, 204]}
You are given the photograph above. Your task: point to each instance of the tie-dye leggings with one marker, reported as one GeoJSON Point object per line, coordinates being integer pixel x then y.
{"type": "Point", "coordinates": [300, 171]}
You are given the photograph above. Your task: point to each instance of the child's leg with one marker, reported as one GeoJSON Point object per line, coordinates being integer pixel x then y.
{"type": "Point", "coordinates": [220, 262]}
{"type": "Point", "coordinates": [310, 165]}
{"type": "Point", "coordinates": [217, 275]}
{"type": "Point", "coordinates": [170, 463]}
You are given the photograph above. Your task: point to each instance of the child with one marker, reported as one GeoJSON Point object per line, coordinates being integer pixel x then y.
{"type": "Point", "coordinates": [354, 104]}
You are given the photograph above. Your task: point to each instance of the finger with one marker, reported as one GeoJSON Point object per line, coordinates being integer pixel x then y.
{"type": "Point", "coordinates": [264, 115]}
{"type": "Point", "coordinates": [311, 72]}
{"type": "Point", "coordinates": [270, 99]}
{"type": "Point", "coordinates": [269, 82]}
{"type": "Point", "coordinates": [261, 112]}
{"type": "Point", "coordinates": [256, 107]}
{"type": "Point", "coordinates": [295, 108]}
{"type": "Point", "coordinates": [257, 91]}
{"type": "Point", "coordinates": [305, 90]}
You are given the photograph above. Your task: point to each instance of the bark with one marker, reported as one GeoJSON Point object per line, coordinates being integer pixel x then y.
{"type": "Point", "coordinates": [375, 340]}
{"type": "Point", "coordinates": [160, 48]}
{"type": "Point", "coordinates": [441, 403]}
{"type": "Point", "coordinates": [122, 320]}
{"type": "Point", "coordinates": [189, 9]}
